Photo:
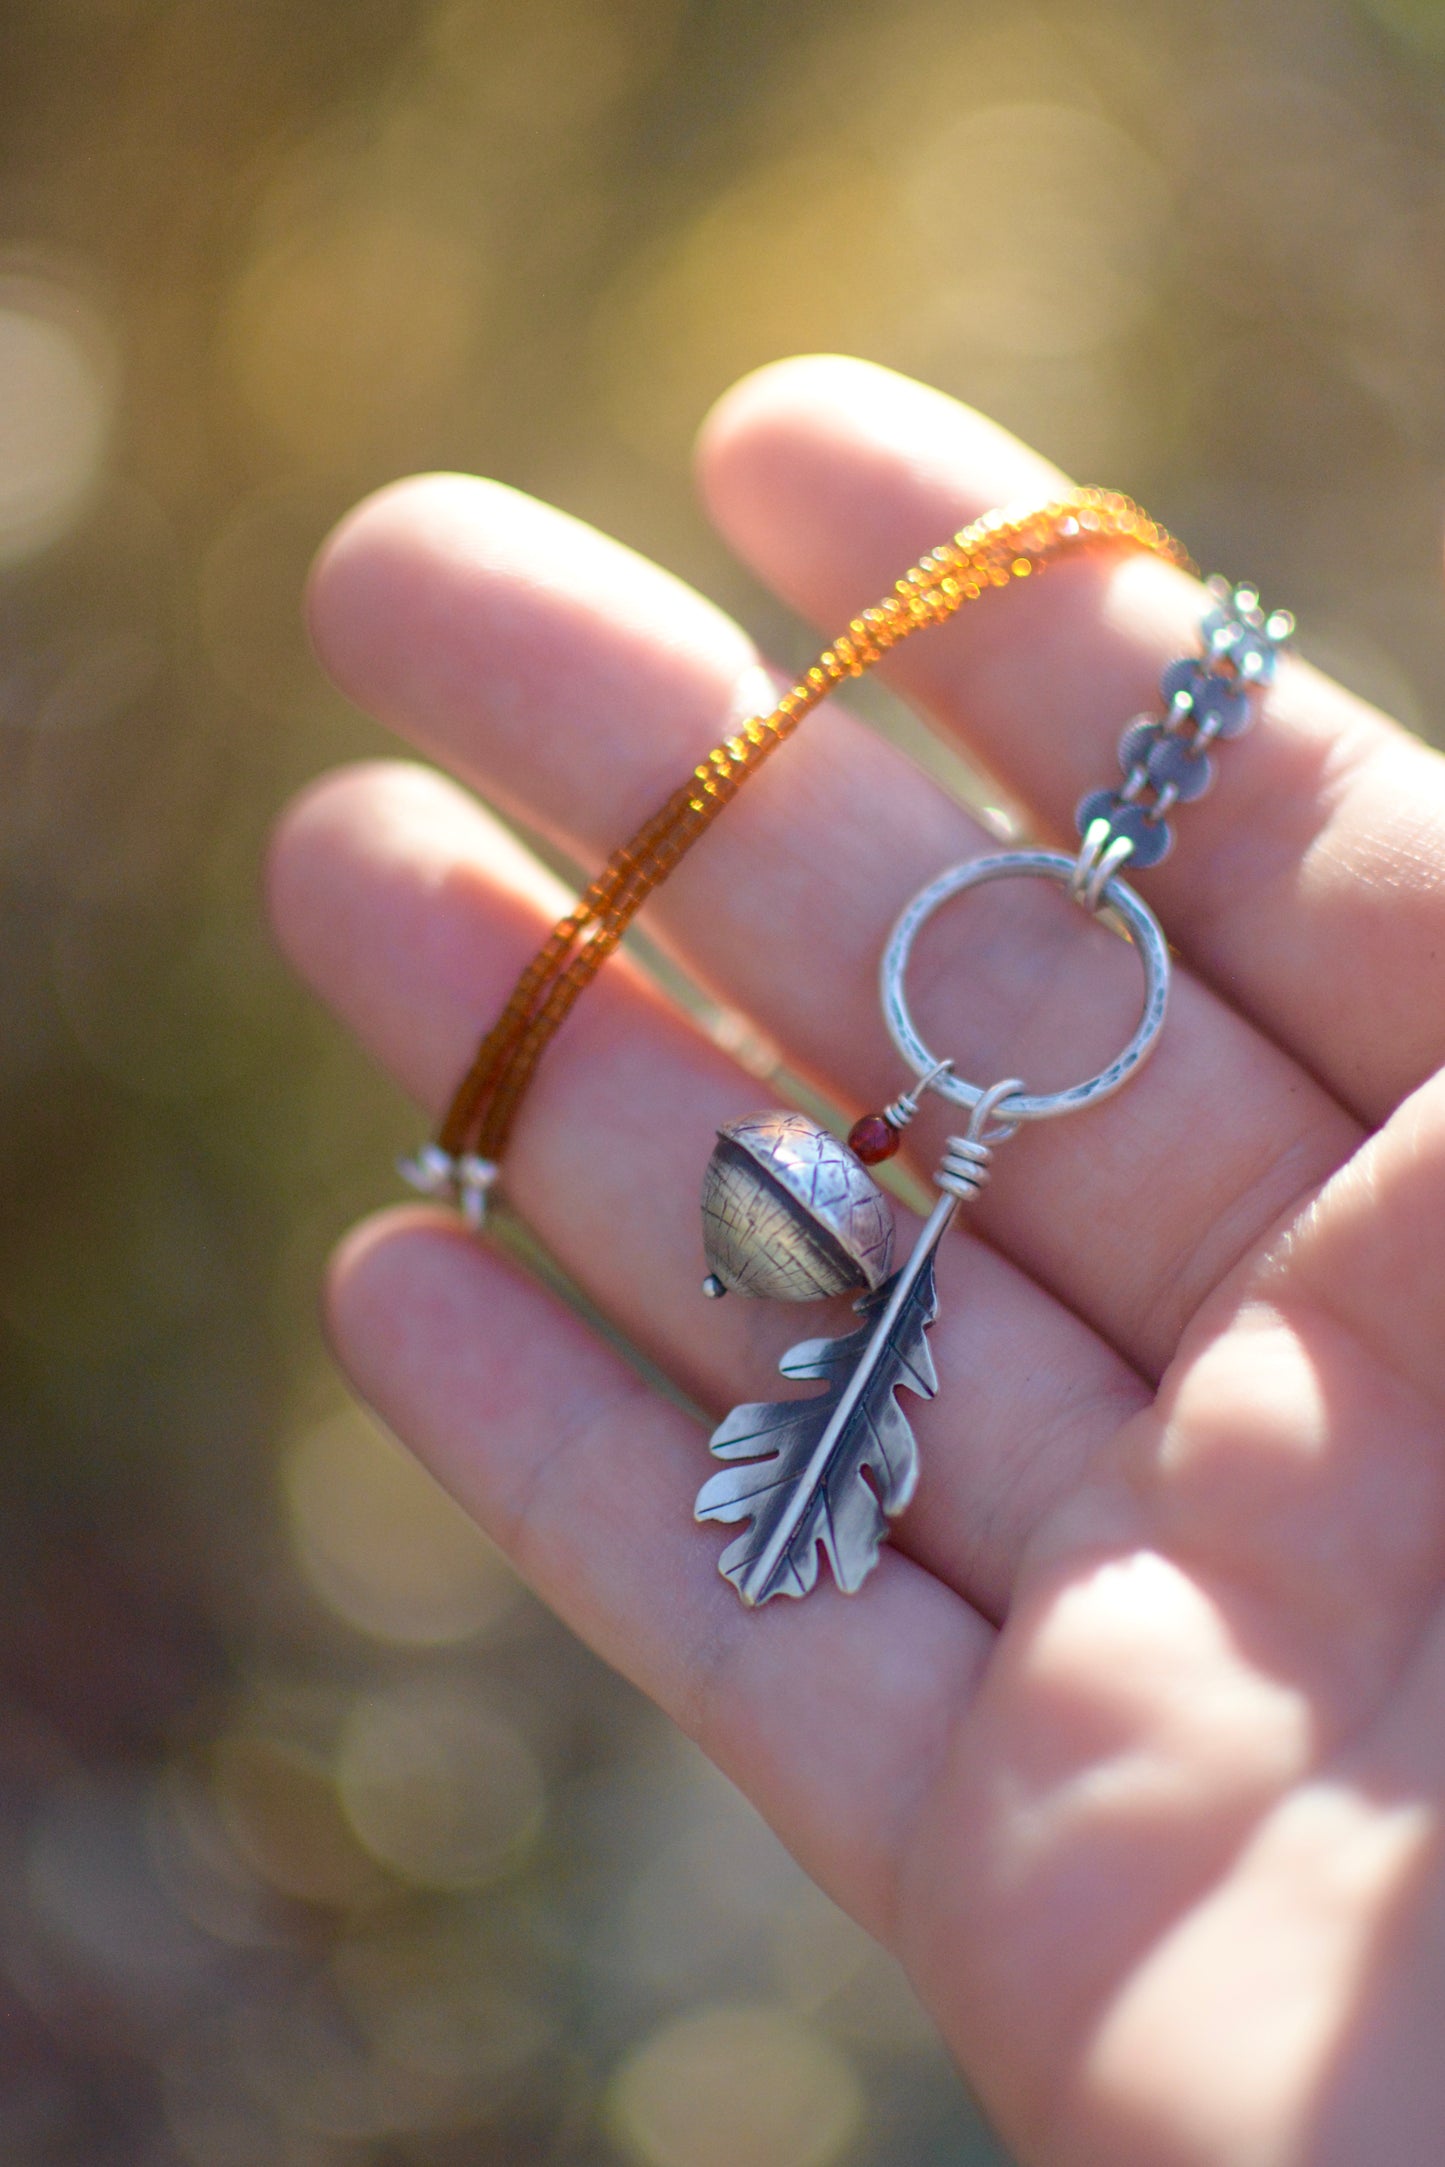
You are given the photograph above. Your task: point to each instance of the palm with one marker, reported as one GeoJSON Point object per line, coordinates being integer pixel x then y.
{"type": "Point", "coordinates": [1186, 1823]}
{"type": "Point", "coordinates": [1129, 1748]}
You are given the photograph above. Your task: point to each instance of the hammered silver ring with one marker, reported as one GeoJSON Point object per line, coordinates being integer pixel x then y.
{"type": "Point", "coordinates": [1135, 917]}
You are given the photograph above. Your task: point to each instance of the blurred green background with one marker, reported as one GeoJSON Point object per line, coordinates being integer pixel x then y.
{"type": "Point", "coordinates": [322, 1846]}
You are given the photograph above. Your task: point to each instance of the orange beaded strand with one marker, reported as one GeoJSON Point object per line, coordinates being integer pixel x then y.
{"type": "Point", "coordinates": [995, 550]}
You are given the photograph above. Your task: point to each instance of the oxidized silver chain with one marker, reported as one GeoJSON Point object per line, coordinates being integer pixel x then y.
{"type": "Point", "coordinates": [1166, 759]}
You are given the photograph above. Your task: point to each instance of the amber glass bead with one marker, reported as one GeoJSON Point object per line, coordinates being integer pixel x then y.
{"type": "Point", "coordinates": [995, 550]}
{"type": "Point", "coordinates": [872, 1139]}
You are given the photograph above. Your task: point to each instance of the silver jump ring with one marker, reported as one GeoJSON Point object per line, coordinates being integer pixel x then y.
{"type": "Point", "coordinates": [1138, 922]}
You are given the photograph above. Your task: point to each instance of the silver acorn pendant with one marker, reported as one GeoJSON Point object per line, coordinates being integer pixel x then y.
{"type": "Point", "coordinates": [790, 1212]}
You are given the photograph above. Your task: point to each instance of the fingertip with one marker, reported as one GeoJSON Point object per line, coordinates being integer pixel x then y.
{"type": "Point", "coordinates": [391, 1289]}
{"type": "Point", "coordinates": [355, 566]}
{"type": "Point", "coordinates": [446, 602]}
{"type": "Point", "coordinates": [798, 383]}
{"type": "Point", "coordinates": [300, 848]}
{"type": "Point", "coordinates": [808, 450]}
{"type": "Point", "coordinates": [408, 908]}
{"type": "Point", "coordinates": [335, 848]}
{"type": "Point", "coordinates": [385, 577]}
{"type": "Point", "coordinates": [776, 411]}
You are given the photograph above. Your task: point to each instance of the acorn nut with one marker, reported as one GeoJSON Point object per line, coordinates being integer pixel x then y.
{"type": "Point", "coordinates": [789, 1212]}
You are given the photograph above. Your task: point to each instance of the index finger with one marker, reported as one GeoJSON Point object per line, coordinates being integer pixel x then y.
{"type": "Point", "coordinates": [1308, 887]}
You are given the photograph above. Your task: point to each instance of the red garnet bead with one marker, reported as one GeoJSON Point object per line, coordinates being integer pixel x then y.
{"type": "Point", "coordinates": [872, 1139]}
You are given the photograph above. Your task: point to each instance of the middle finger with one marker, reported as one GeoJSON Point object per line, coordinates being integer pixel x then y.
{"type": "Point", "coordinates": [572, 682]}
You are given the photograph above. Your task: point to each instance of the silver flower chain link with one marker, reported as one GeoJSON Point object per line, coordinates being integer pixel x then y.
{"type": "Point", "coordinates": [1166, 760]}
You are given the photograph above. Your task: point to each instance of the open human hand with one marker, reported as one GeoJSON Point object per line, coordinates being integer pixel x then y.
{"type": "Point", "coordinates": [1133, 1748]}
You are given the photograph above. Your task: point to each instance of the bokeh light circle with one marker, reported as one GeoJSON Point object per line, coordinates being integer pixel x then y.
{"type": "Point", "coordinates": [343, 330]}
{"type": "Point", "coordinates": [56, 406]}
{"type": "Point", "coordinates": [725, 2085]}
{"type": "Point", "coordinates": [1062, 247]}
{"type": "Point", "coordinates": [439, 1788]}
{"type": "Point", "coordinates": [279, 1808]}
{"type": "Point", "coordinates": [383, 1545]}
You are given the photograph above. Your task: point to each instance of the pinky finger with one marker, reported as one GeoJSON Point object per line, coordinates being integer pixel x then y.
{"type": "Point", "coordinates": [831, 1714]}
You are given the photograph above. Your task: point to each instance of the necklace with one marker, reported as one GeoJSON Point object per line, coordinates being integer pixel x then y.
{"type": "Point", "coordinates": [789, 1210]}
{"type": "Point", "coordinates": [464, 1161]}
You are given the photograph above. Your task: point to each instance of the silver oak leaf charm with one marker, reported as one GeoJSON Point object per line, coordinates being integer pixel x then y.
{"type": "Point", "coordinates": [828, 1472]}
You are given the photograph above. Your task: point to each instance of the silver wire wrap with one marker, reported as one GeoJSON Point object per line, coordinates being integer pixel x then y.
{"type": "Point", "coordinates": [965, 1167]}
{"type": "Point", "coordinates": [900, 1111]}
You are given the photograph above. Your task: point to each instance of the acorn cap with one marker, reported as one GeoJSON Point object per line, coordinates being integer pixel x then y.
{"type": "Point", "coordinates": [789, 1212]}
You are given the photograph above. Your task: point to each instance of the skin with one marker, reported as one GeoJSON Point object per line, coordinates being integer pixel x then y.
{"type": "Point", "coordinates": [1132, 1749]}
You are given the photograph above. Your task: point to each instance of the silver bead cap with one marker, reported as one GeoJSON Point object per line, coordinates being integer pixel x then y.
{"type": "Point", "coordinates": [789, 1212]}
